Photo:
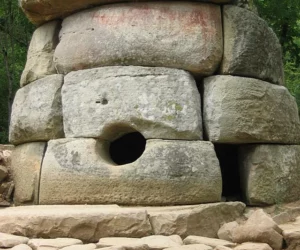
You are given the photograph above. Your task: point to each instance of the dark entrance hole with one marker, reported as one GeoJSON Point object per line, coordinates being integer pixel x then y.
{"type": "Point", "coordinates": [127, 148]}
{"type": "Point", "coordinates": [228, 158]}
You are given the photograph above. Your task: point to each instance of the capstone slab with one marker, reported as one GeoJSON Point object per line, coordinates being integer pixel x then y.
{"type": "Point", "coordinates": [80, 171]}
{"type": "Point", "coordinates": [40, 11]}
{"type": "Point", "coordinates": [245, 110]}
{"type": "Point", "coordinates": [183, 35]}
{"type": "Point", "coordinates": [111, 101]}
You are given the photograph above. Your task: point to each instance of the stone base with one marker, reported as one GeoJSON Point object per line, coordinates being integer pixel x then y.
{"type": "Point", "coordinates": [90, 223]}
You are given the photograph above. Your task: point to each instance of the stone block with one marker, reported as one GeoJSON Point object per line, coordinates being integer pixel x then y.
{"type": "Point", "coordinates": [110, 101]}
{"type": "Point", "coordinates": [245, 110]}
{"type": "Point", "coordinates": [57, 243]}
{"type": "Point", "coordinates": [80, 171]}
{"type": "Point", "coordinates": [26, 165]}
{"type": "Point", "coordinates": [40, 53]}
{"type": "Point", "coordinates": [270, 173]}
{"type": "Point", "coordinates": [37, 112]}
{"type": "Point", "coordinates": [9, 240]}
{"type": "Point", "coordinates": [85, 222]}
{"type": "Point", "coordinates": [183, 35]}
{"type": "Point", "coordinates": [251, 48]}
{"type": "Point", "coordinates": [39, 11]}
{"type": "Point", "coordinates": [202, 220]}
{"type": "Point", "coordinates": [192, 239]}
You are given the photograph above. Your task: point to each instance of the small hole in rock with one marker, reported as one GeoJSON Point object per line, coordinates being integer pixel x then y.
{"type": "Point", "coordinates": [127, 148]}
{"type": "Point", "coordinates": [104, 101]}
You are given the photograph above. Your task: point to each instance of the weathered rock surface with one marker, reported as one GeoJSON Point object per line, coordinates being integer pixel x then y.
{"type": "Point", "coordinates": [80, 171]}
{"type": "Point", "coordinates": [36, 111]}
{"type": "Point", "coordinates": [270, 173]}
{"type": "Point", "coordinates": [39, 11]}
{"type": "Point", "coordinates": [26, 165]}
{"type": "Point", "coordinates": [153, 242]}
{"type": "Point", "coordinates": [291, 234]}
{"type": "Point", "coordinates": [90, 246]}
{"type": "Point", "coordinates": [183, 35]}
{"type": "Point", "coordinates": [207, 241]}
{"type": "Point", "coordinates": [9, 240]}
{"type": "Point", "coordinates": [191, 247]}
{"type": "Point", "coordinates": [110, 101]}
{"type": "Point", "coordinates": [55, 243]}
{"type": "Point", "coordinates": [87, 223]}
{"type": "Point", "coordinates": [259, 228]}
{"type": "Point", "coordinates": [245, 110]}
{"type": "Point", "coordinates": [40, 53]}
{"type": "Point", "coordinates": [202, 220]}
{"type": "Point", "coordinates": [21, 247]}
{"type": "Point", "coordinates": [255, 53]}
{"type": "Point", "coordinates": [253, 246]}
{"type": "Point", "coordinates": [225, 232]}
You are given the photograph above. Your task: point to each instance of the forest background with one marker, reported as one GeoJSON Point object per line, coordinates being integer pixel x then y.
{"type": "Point", "coordinates": [15, 34]}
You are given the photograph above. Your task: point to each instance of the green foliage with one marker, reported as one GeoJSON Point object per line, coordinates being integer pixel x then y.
{"type": "Point", "coordinates": [284, 18]}
{"type": "Point", "coordinates": [15, 33]}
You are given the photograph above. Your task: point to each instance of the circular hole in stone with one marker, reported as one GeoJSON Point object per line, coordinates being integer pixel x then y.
{"type": "Point", "coordinates": [127, 148]}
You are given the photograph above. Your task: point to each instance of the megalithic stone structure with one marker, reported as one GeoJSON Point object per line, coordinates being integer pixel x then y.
{"type": "Point", "coordinates": [153, 103]}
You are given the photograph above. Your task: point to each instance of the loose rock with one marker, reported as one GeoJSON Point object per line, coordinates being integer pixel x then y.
{"type": "Point", "coordinates": [253, 246]}
{"type": "Point", "coordinates": [9, 240]}
{"type": "Point", "coordinates": [225, 232]}
{"type": "Point", "coordinates": [207, 241]}
{"type": "Point", "coordinates": [3, 173]}
{"type": "Point", "coordinates": [191, 247]}
{"type": "Point", "coordinates": [55, 243]}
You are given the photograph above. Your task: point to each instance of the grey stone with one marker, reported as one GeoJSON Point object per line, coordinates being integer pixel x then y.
{"type": "Point", "coordinates": [85, 222]}
{"type": "Point", "coordinates": [80, 171]}
{"type": "Point", "coordinates": [251, 48]}
{"type": "Point", "coordinates": [21, 247]}
{"type": "Point", "coordinates": [26, 165]}
{"type": "Point", "coordinates": [42, 11]}
{"type": "Point", "coordinates": [245, 110]}
{"type": "Point", "coordinates": [110, 101]}
{"type": "Point", "coordinates": [183, 35]}
{"type": "Point", "coordinates": [81, 247]}
{"type": "Point", "coordinates": [202, 220]}
{"type": "Point", "coordinates": [192, 239]}
{"type": "Point", "coordinates": [36, 111]}
{"type": "Point", "coordinates": [9, 240]}
{"type": "Point", "coordinates": [40, 53]}
{"type": "Point", "coordinates": [270, 173]}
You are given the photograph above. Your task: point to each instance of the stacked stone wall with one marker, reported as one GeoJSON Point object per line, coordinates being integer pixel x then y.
{"type": "Point", "coordinates": [99, 70]}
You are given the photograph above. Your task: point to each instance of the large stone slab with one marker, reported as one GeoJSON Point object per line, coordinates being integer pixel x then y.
{"type": "Point", "coordinates": [182, 35]}
{"type": "Point", "coordinates": [270, 173]}
{"type": "Point", "coordinates": [202, 220]}
{"type": "Point", "coordinates": [80, 171]}
{"type": "Point", "coordinates": [110, 101]}
{"type": "Point", "coordinates": [246, 110]}
{"type": "Point", "coordinates": [37, 112]}
{"type": "Point", "coordinates": [251, 48]}
{"type": "Point", "coordinates": [40, 53]}
{"type": "Point", "coordinates": [41, 11]}
{"type": "Point", "coordinates": [87, 223]}
{"type": "Point", "coordinates": [26, 166]}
